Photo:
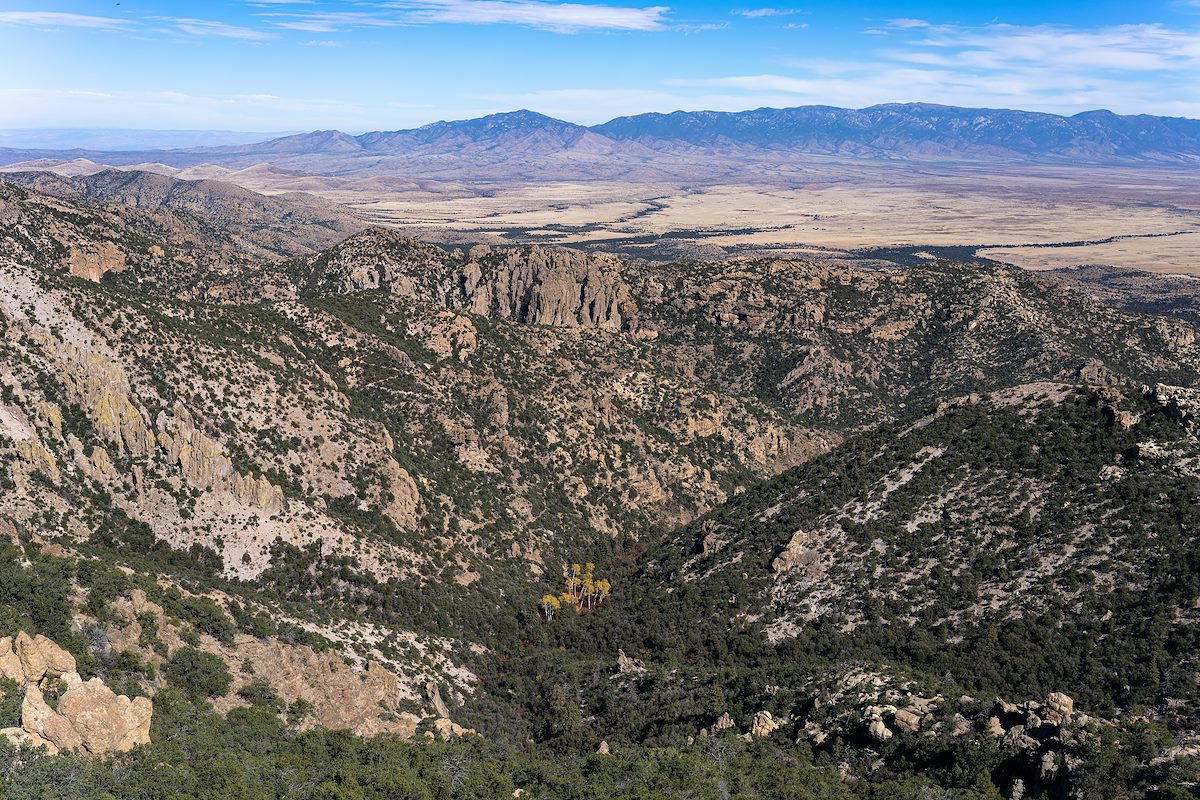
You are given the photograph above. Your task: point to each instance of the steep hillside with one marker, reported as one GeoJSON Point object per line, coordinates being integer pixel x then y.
{"type": "Point", "coordinates": [762, 524]}
{"type": "Point", "coordinates": [995, 592]}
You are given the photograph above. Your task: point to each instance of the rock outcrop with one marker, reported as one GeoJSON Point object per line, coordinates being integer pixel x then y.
{"type": "Point", "coordinates": [798, 554]}
{"type": "Point", "coordinates": [88, 717]}
{"type": "Point", "coordinates": [94, 262]}
{"type": "Point", "coordinates": [763, 725]}
{"type": "Point", "coordinates": [543, 286]}
{"type": "Point", "coordinates": [626, 663]}
{"type": "Point", "coordinates": [342, 697]}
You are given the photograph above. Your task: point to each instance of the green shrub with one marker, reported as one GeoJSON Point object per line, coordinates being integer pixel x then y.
{"type": "Point", "coordinates": [198, 673]}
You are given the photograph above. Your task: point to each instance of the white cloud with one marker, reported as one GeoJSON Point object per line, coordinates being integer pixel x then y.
{"type": "Point", "coordinates": [328, 21]}
{"type": "Point", "coordinates": [1121, 48]}
{"type": "Point", "coordinates": [58, 19]}
{"type": "Point", "coordinates": [906, 24]}
{"type": "Point", "coordinates": [1127, 68]}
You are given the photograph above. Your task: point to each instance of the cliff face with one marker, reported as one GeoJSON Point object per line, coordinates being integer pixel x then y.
{"type": "Point", "coordinates": [206, 467]}
{"type": "Point", "coordinates": [545, 286]}
{"type": "Point", "coordinates": [563, 288]}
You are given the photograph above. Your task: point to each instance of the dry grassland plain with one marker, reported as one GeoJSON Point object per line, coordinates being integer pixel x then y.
{"type": "Point", "coordinates": [1038, 217]}
{"type": "Point", "coordinates": [1137, 218]}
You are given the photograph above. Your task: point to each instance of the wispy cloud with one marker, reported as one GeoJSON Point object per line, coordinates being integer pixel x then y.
{"type": "Point", "coordinates": [328, 21]}
{"type": "Point", "coordinates": [182, 110]}
{"type": "Point", "coordinates": [560, 17]}
{"type": "Point", "coordinates": [1128, 68]}
{"type": "Point", "coordinates": [59, 19]}
{"type": "Point", "coordinates": [539, 14]}
{"type": "Point", "coordinates": [1120, 48]}
{"type": "Point", "coordinates": [754, 13]}
{"type": "Point", "coordinates": [905, 24]}
{"type": "Point", "coordinates": [207, 27]}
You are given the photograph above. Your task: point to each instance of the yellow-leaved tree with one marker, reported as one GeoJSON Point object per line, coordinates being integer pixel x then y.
{"type": "Point", "coordinates": [582, 590]}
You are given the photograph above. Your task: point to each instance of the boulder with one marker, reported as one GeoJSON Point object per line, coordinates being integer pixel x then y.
{"type": "Point", "coordinates": [1061, 704]}
{"type": "Point", "coordinates": [879, 732]}
{"type": "Point", "coordinates": [907, 721]}
{"type": "Point", "coordinates": [10, 662]}
{"type": "Point", "coordinates": [1017, 737]}
{"type": "Point", "coordinates": [448, 729]}
{"type": "Point", "coordinates": [602, 749]}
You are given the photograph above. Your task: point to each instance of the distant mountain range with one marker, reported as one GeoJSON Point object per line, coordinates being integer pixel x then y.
{"type": "Point", "coordinates": [525, 143]}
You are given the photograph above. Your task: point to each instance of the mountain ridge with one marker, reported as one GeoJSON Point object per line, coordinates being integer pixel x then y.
{"type": "Point", "coordinates": [918, 131]}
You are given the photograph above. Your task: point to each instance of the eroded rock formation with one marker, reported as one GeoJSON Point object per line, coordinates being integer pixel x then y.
{"type": "Point", "coordinates": [88, 717]}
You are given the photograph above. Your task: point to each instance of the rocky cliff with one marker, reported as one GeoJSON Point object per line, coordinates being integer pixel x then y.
{"type": "Point", "coordinates": [547, 286]}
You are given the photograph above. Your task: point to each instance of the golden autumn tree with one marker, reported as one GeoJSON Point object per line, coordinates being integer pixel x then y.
{"type": "Point", "coordinates": [582, 590]}
{"type": "Point", "coordinates": [550, 604]}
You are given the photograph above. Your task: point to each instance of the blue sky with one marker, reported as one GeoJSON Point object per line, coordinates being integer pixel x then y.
{"type": "Point", "coordinates": [356, 65]}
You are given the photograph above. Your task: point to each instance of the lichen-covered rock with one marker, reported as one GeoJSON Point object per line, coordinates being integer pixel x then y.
{"type": "Point", "coordinates": [205, 465]}
{"type": "Point", "coordinates": [102, 389]}
{"type": "Point", "coordinates": [35, 453]}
